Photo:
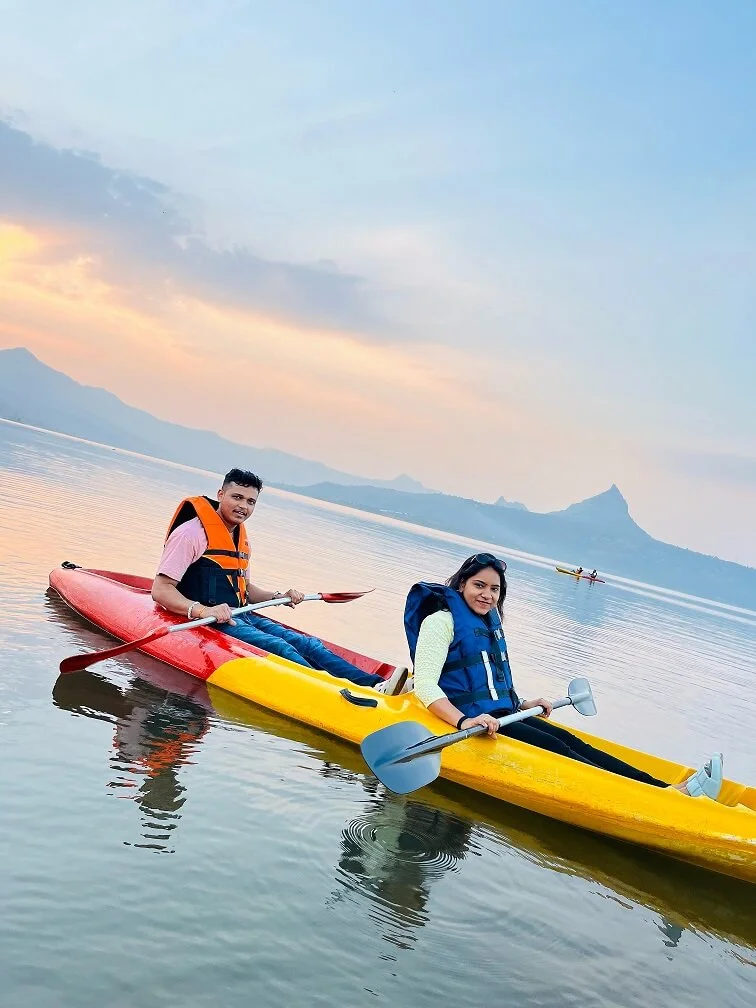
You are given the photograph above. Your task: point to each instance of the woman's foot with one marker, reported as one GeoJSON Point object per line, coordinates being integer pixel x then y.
{"type": "Point", "coordinates": [395, 683]}
{"type": "Point", "coordinates": [706, 781]}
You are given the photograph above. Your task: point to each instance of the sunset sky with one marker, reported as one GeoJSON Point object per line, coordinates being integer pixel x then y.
{"type": "Point", "coordinates": [505, 247]}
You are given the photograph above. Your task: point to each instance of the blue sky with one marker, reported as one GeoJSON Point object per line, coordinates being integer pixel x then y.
{"type": "Point", "coordinates": [557, 199]}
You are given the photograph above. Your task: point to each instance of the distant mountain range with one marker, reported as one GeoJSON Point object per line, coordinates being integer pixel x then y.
{"type": "Point", "coordinates": [33, 393]}
{"type": "Point", "coordinates": [503, 502]}
{"type": "Point", "coordinates": [597, 532]}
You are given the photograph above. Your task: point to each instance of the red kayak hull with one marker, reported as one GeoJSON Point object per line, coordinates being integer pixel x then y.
{"type": "Point", "coordinates": [122, 606]}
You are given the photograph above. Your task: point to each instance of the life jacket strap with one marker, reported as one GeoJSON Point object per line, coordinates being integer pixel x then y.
{"type": "Point", "coordinates": [227, 553]}
{"type": "Point", "coordinates": [461, 663]}
{"type": "Point", "coordinates": [467, 699]}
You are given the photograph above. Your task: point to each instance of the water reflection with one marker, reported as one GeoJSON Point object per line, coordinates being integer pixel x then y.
{"type": "Point", "coordinates": [157, 731]}
{"type": "Point", "coordinates": [395, 849]}
{"type": "Point", "coordinates": [685, 897]}
{"type": "Point", "coordinates": [582, 602]}
{"type": "Point", "coordinates": [672, 932]}
{"type": "Point", "coordinates": [398, 847]}
{"type": "Point", "coordinates": [393, 852]}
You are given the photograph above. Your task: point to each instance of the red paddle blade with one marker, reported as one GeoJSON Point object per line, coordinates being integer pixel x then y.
{"type": "Point", "coordinates": [78, 662]}
{"type": "Point", "coordinates": [343, 596]}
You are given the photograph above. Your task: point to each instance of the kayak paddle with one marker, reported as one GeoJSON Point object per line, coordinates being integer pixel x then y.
{"type": "Point", "coordinates": [78, 662]}
{"type": "Point", "coordinates": [405, 756]}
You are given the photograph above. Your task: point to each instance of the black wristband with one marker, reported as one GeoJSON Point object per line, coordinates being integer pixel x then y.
{"type": "Point", "coordinates": [459, 723]}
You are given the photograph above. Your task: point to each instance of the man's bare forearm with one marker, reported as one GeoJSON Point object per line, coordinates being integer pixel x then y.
{"type": "Point", "coordinates": [167, 595]}
{"type": "Point", "coordinates": [255, 594]}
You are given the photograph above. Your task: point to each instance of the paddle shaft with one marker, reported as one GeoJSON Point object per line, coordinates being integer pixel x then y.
{"type": "Point", "coordinates": [252, 607]}
{"type": "Point", "coordinates": [439, 742]}
{"type": "Point", "coordinates": [78, 662]}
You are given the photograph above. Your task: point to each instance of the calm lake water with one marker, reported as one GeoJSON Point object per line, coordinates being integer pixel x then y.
{"type": "Point", "coordinates": [262, 865]}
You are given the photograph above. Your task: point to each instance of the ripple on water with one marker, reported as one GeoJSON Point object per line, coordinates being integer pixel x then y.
{"type": "Point", "coordinates": [393, 853]}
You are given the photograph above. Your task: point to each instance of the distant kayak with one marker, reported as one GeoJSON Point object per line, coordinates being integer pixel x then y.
{"type": "Point", "coordinates": [572, 573]}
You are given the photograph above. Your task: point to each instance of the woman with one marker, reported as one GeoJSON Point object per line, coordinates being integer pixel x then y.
{"type": "Point", "coordinates": [462, 671]}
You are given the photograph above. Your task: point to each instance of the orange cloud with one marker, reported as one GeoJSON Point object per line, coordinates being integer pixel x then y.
{"type": "Point", "coordinates": [357, 405]}
{"type": "Point", "coordinates": [309, 390]}
{"type": "Point", "coordinates": [16, 243]}
{"type": "Point", "coordinates": [360, 406]}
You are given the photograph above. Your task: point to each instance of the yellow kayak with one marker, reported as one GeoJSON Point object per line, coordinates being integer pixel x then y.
{"type": "Point", "coordinates": [579, 576]}
{"type": "Point", "coordinates": [719, 835]}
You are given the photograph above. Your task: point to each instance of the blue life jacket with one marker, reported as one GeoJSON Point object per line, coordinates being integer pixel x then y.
{"type": "Point", "coordinates": [476, 676]}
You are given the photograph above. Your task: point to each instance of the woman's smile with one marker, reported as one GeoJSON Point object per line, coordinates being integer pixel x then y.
{"type": "Point", "coordinates": [481, 592]}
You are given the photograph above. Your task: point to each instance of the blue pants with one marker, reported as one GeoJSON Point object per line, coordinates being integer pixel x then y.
{"type": "Point", "coordinates": [297, 647]}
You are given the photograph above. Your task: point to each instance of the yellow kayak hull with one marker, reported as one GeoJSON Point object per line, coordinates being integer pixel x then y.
{"type": "Point", "coordinates": [720, 835]}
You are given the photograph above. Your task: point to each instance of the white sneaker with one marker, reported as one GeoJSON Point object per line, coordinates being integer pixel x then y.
{"type": "Point", "coordinates": [395, 683]}
{"type": "Point", "coordinates": [708, 780]}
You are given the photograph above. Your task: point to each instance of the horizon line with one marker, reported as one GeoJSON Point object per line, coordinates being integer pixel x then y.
{"type": "Point", "coordinates": [684, 600]}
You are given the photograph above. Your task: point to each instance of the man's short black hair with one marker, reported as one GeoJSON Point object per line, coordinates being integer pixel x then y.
{"type": "Point", "coordinates": [243, 478]}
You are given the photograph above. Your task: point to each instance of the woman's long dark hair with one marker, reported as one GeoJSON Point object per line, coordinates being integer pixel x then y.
{"type": "Point", "coordinates": [472, 566]}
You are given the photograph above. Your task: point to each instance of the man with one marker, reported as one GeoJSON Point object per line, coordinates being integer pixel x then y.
{"type": "Point", "coordinates": [204, 571]}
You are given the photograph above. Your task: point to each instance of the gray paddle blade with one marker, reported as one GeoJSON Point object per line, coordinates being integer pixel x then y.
{"type": "Point", "coordinates": [580, 693]}
{"type": "Point", "coordinates": [384, 749]}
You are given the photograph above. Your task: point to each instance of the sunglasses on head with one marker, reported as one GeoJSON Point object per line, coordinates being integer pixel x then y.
{"type": "Point", "coordinates": [485, 558]}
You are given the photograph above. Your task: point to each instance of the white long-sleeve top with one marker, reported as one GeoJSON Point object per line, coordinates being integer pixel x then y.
{"type": "Point", "coordinates": [433, 643]}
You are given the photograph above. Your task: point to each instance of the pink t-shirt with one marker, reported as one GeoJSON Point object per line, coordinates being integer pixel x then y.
{"type": "Point", "coordinates": [184, 545]}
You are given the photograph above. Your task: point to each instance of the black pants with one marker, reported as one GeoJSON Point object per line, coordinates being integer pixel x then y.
{"type": "Point", "coordinates": [542, 733]}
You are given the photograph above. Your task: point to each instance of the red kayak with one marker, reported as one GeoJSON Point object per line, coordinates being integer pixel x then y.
{"type": "Point", "coordinates": [122, 606]}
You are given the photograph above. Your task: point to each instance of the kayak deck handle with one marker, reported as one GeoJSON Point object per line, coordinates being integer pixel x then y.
{"type": "Point", "coordinates": [358, 701]}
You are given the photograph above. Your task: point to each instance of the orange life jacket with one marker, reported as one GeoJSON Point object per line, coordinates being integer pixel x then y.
{"type": "Point", "coordinates": [220, 573]}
